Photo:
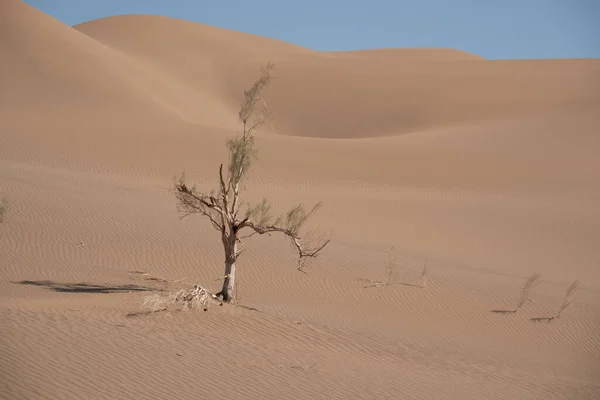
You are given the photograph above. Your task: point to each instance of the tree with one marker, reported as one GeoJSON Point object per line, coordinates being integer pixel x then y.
{"type": "Point", "coordinates": [223, 207]}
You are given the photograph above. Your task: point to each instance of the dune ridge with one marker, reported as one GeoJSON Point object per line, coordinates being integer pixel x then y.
{"type": "Point", "coordinates": [485, 171]}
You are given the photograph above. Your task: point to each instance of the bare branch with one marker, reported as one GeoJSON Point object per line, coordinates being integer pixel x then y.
{"type": "Point", "coordinates": [190, 201]}
{"type": "Point", "coordinates": [225, 198]}
{"type": "Point", "coordinates": [236, 197]}
{"type": "Point", "coordinates": [566, 302]}
{"type": "Point", "coordinates": [193, 200]}
{"type": "Point", "coordinates": [218, 225]}
{"type": "Point", "coordinates": [294, 220]}
{"type": "Point", "coordinates": [531, 282]}
{"type": "Point", "coordinates": [214, 222]}
{"type": "Point", "coordinates": [568, 297]}
{"type": "Point", "coordinates": [247, 236]}
{"type": "Point", "coordinates": [224, 188]}
{"type": "Point", "coordinates": [526, 290]}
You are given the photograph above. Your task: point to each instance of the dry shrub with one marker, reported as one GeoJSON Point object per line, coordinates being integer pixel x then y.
{"type": "Point", "coordinates": [193, 298]}
{"type": "Point", "coordinates": [527, 287]}
{"type": "Point", "coordinates": [531, 282]}
{"type": "Point", "coordinates": [568, 299]}
{"type": "Point", "coordinates": [390, 268]}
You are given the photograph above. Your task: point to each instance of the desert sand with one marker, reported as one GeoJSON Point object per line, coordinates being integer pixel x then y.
{"type": "Point", "coordinates": [485, 171]}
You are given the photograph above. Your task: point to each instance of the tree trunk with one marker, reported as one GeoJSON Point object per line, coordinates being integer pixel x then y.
{"type": "Point", "coordinates": [229, 283]}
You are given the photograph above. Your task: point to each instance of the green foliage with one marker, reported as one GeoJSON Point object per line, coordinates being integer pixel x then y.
{"type": "Point", "coordinates": [241, 155]}
{"type": "Point", "coordinates": [253, 111]}
{"type": "Point", "coordinates": [297, 216]}
{"type": "Point", "coordinates": [261, 213]}
{"type": "Point", "coordinates": [253, 115]}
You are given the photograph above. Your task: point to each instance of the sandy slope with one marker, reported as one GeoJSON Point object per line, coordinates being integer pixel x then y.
{"type": "Point", "coordinates": [486, 170]}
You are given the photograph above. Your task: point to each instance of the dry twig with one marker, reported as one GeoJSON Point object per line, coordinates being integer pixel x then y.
{"type": "Point", "coordinates": [390, 267]}
{"type": "Point", "coordinates": [531, 282]}
{"type": "Point", "coordinates": [568, 299]}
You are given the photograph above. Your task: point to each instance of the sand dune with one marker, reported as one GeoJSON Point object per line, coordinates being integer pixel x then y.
{"type": "Point", "coordinates": [43, 57]}
{"type": "Point", "coordinates": [332, 95]}
{"type": "Point", "coordinates": [487, 171]}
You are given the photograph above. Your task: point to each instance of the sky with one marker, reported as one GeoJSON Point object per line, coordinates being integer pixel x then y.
{"type": "Point", "coordinates": [494, 29]}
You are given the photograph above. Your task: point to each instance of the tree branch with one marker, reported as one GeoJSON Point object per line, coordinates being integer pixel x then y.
{"type": "Point", "coordinates": [192, 202]}
{"type": "Point", "coordinates": [247, 236]}
{"type": "Point", "coordinates": [304, 251]}
{"type": "Point", "coordinates": [236, 196]}
{"type": "Point", "coordinates": [213, 221]}
{"type": "Point", "coordinates": [225, 198]}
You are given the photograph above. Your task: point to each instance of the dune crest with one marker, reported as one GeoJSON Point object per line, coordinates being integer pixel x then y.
{"type": "Point", "coordinates": [413, 54]}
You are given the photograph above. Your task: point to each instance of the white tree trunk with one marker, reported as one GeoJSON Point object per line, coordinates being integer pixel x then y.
{"type": "Point", "coordinates": [229, 283]}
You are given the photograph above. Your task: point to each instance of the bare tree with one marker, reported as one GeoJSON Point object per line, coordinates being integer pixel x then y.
{"type": "Point", "coordinates": [223, 207]}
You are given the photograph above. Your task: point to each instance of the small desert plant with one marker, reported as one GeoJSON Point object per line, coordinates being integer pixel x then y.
{"type": "Point", "coordinates": [524, 295]}
{"type": "Point", "coordinates": [566, 302]}
{"type": "Point", "coordinates": [527, 287]}
{"type": "Point", "coordinates": [390, 264]}
{"type": "Point", "coordinates": [196, 297]}
{"type": "Point", "coordinates": [424, 275]}
{"type": "Point", "coordinates": [390, 267]}
{"type": "Point", "coordinates": [3, 208]}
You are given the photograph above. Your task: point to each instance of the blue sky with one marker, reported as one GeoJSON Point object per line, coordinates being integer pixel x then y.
{"type": "Point", "coordinates": [494, 29]}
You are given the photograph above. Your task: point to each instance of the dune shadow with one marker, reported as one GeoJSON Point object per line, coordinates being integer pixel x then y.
{"type": "Point", "coordinates": [504, 311]}
{"type": "Point", "coordinates": [87, 287]}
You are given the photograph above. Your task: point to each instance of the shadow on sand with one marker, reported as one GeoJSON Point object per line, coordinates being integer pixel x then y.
{"type": "Point", "coordinates": [87, 287]}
